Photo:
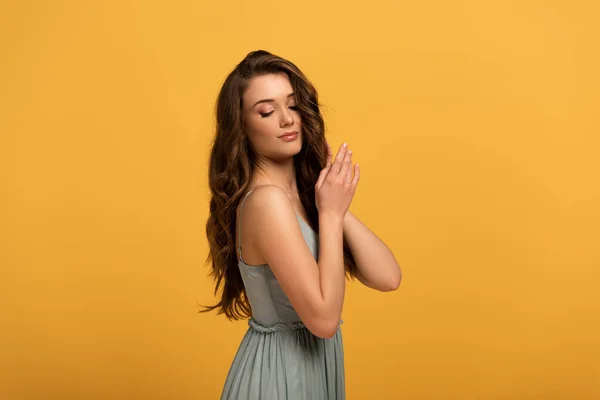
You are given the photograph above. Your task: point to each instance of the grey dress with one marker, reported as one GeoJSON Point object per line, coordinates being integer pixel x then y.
{"type": "Point", "coordinates": [279, 358]}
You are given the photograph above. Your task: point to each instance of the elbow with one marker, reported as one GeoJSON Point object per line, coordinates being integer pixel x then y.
{"type": "Point", "coordinates": [325, 329]}
{"type": "Point", "coordinates": [394, 282]}
{"type": "Point", "coordinates": [325, 333]}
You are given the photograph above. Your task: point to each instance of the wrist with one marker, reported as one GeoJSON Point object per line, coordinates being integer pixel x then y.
{"type": "Point", "coordinates": [331, 217]}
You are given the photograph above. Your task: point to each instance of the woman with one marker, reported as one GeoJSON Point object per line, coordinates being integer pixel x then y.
{"type": "Point", "coordinates": [282, 239]}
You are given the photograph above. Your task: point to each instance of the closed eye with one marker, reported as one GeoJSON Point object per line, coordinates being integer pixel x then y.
{"type": "Point", "coordinates": [264, 115]}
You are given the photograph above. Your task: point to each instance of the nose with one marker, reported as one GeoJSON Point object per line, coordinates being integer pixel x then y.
{"type": "Point", "coordinates": [286, 118]}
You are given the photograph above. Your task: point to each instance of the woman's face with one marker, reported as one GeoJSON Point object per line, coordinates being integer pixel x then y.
{"type": "Point", "coordinates": [269, 112]}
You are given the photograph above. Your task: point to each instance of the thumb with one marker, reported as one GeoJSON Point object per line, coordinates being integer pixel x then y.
{"type": "Point", "coordinates": [322, 175]}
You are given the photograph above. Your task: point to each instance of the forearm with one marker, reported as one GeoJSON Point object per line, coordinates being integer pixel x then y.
{"type": "Point", "coordinates": [376, 263]}
{"type": "Point", "coordinates": [331, 266]}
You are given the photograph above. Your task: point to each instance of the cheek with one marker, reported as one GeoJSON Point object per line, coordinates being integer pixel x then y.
{"type": "Point", "coordinates": [267, 126]}
{"type": "Point", "coordinates": [262, 128]}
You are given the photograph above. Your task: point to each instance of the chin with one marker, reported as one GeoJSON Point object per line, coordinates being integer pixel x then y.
{"type": "Point", "coordinates": [298, 146]}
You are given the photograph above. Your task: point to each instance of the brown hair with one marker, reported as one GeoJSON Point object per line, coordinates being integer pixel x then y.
{"type": "Point", "coordinates": [232, 162]}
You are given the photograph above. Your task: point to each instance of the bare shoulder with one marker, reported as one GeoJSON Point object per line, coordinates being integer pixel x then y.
{"type": "Point", "coordinates": [266, 201]}
{"type": "Point", "coordinates": [273, 226]}
{"type": "Point", "coordinates": [266, 217]}
{"type": "Point", "coordinates": [268, 192]}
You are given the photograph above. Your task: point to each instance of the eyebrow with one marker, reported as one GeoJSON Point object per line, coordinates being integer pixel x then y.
{"type": "Point", "coordinates": [270, 100]}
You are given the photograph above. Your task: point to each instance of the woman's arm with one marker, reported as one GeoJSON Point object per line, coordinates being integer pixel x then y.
{"type": "Point", "coordinates": [377, 266]}
{"type": "Point", "coordinates": [315, 288]}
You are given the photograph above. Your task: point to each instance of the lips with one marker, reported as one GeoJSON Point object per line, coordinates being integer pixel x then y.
{"type": "Point", "coordinates": [287, 134]}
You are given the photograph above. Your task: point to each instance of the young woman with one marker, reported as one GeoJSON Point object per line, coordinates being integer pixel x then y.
{"type": "Point", "coordinates": [282, 239]}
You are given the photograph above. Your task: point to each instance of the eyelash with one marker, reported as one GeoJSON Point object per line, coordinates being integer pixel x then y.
{"type": "Point", "coordinates": [264, 115]}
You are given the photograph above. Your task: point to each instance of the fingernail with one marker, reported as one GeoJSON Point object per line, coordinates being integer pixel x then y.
{"type": "Point", "coordinates": [345, 145]}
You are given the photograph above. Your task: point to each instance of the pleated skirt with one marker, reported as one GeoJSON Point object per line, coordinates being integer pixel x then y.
{"type": "Point", "coordinates": [286, 362]}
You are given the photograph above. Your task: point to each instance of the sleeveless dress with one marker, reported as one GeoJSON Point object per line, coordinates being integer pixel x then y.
{"type": "Point", "coordinates": [279, 358]}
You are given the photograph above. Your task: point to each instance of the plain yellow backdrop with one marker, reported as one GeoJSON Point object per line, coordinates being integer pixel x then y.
{"type": "Point", "coordinates": [476, 124]}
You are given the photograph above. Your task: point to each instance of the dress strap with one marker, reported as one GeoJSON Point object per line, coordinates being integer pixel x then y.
{"type": "Point", "coordinates": [240, 226]}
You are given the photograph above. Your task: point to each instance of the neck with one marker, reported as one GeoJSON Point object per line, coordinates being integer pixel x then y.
{"type": "Point", "coordinates": [280, 173]}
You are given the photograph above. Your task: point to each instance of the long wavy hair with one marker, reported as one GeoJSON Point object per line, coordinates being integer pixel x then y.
{"type": "Point", "coordinates": [232, 162]}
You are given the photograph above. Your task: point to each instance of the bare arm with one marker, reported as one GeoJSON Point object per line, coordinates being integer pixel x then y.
{"type": "Point", "coordinates": [315, 288]}
{"type": "Point", "coordinates": [331, 264]}
{"type": "Point", "coordinates": [377, 266]}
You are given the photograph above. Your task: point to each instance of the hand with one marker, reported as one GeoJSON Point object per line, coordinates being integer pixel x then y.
{"type": "Point", "coordinates": [335, 187]}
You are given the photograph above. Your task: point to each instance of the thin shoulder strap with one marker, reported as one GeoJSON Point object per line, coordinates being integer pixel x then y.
{"type": "Point", "coordinates": [240, 226]}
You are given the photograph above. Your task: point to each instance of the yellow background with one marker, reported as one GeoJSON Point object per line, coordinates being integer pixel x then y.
{"type": "Point", "coordinates": [476, 126]}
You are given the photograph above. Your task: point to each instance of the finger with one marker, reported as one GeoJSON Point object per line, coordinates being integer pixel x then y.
{"type": "Point", "coordinates": [326, 169]}
{"type": "Point", "coordinates": [349, 168]}
{"type": "Point", "coordinates": [322, 175]}
{"type": "Point", "coordinates": [356, 175]}
{"type": "Point", "coordinates": [346, 163]}
{"type": "Point", "coordinates": [339, 158]}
